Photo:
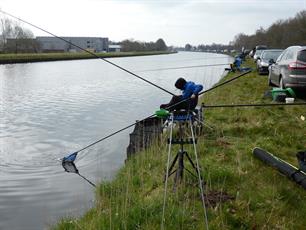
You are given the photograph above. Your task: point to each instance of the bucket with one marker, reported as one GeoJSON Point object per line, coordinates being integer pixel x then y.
{"type": "Point", "coordinates": [289, 100]}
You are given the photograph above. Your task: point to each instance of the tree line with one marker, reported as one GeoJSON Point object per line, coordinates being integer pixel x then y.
{"type": "Point", "coordinates": [281, 34]}
{"type": "Point", "coordinates": [132, 45]}
{"type": "Point", "coordinates": [208, 48]}
{"type": "Point", "coordinates": [14, 38]}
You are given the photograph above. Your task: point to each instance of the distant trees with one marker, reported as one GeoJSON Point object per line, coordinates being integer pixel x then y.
{"type": "Point", "coordinates": [160, 45]}
{"type": "Point", "coordinates": [16, 39]}
{"type": "Point", "coordinates": [281, 34]}
{"type": "Point", "coordinates": [214, 47]}
{"type": "Point", "coordinates": [188, 47]}
{"type": "Point", "coordinates": [132, 45]}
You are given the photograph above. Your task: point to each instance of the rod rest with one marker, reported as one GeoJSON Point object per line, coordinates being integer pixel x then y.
{"type": "Point", "coordinates": [183, 115]}
{"type": "Point", "coordinates": [182, 141]}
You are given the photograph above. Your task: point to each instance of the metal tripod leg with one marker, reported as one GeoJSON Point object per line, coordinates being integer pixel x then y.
{"type": "Point", "coordinates": [171, 167]}
{"type": "Point", "coordinates": [200, 178]}
{"type": "Point", "coordinates": [180, 169]}
{"type": "Point", "coordinates": [193, 165]}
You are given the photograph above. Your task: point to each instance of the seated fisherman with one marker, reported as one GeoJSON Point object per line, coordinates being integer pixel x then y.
{"type": "Point", "coordinates": [190, 92]}
{"type": "Point", "coordinates": [237, 63]}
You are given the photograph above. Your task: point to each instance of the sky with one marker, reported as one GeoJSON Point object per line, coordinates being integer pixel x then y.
{"type": "Point", "coordinates": [178, 22]}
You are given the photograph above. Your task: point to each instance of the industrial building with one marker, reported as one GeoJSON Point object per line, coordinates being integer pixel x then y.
{"type": "Point", "coordinates": [53, 44]}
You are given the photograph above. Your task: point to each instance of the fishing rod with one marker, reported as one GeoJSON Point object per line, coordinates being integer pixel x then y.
{"type": "Point", "coordinates": [193, 59]}
{"type": "Point", "coordinates": [184, 67]}
{"type": "Point", "coordinates": [253, 105]}
{"type": "Point", "coordinates": [87, 51]}
{"type": "Point", "coordinates": [131, 125]}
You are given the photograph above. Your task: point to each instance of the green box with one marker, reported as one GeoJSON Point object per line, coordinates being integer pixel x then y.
{"type": "Point", "coordinates": [288, 91]}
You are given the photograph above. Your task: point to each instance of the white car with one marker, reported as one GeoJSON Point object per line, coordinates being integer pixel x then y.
{"type": "Point", "coordinates": [266, 58]}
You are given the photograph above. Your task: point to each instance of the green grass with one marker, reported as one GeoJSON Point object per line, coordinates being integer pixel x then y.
{"type": "Point", "coordinates": [262, 197]}
{"type": "Point", "coordinates": [39, 57]}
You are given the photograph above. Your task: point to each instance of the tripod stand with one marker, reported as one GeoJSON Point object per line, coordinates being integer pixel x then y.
{"type": "Point", "coordinates": [179, 158]}
{"type": "Point", "coordinates": [183, 118]}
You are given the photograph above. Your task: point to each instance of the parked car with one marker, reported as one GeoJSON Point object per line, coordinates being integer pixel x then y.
{"type": "Point", "coordinates": [257, 54]}
{"type": "Point", "coordinates": [289, 70]}
{"type": "Point", "coordinates": [266, 58]}
{"type": "Point", "coordinates": [261, 47]}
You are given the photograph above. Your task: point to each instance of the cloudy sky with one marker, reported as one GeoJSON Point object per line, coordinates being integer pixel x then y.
{"type": "Point", "coordinates": [176, 21]}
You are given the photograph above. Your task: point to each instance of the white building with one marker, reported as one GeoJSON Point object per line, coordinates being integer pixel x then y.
{"type": "Point", "coordinates": [114, 48]}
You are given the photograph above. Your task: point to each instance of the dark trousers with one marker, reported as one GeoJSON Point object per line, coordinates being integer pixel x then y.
{"type": "Point", "coordinates": [174, 104]}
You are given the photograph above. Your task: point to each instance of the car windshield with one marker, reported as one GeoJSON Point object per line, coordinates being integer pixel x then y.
{"type": "Point", "coordinates": [258, 52]}
{"type": "Point", "coordinates": [267, 55]}
{"type": "Point", "coordinates": [302, 56]}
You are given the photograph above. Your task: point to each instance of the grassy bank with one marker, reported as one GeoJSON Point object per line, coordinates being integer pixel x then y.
{"type": "Point", "coordinates": [257, 196]}
{"type": "Point", "coordinates": [39, 57]}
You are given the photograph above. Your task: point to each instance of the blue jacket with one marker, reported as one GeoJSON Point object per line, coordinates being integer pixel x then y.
{"type": "Point", "coordinates": [191, 88]}
{"type": "Point", "coordinates": [238, 62]}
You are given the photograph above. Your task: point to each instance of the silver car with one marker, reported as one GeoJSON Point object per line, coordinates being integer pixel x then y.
{"type": "Point", "coordinates": [257, 54]}
{"type": "Point", "coordinates": [266, 58]}
{"type": "Point", "coordinates": [289, 70]}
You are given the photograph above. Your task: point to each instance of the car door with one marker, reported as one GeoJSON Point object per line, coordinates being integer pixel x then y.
{"type": "Point", "coordinates": [283, 65]}
{"type": "Point", "coordinates": [275, 69]}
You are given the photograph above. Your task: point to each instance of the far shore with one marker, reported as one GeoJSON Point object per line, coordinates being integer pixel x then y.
{"type": "Point", "coordinates": [42, 57]}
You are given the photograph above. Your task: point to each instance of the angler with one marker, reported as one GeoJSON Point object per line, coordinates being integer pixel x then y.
{"type": "Point", "coordinates": [190, 91]}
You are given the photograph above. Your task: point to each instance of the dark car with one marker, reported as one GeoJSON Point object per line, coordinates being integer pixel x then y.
{"type": "Point", "coordinates": [266, 58]}
{"type": "Point", "coordinates": [289, 70]}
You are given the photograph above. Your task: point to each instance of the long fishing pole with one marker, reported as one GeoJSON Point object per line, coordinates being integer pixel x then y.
{"type": "Point", "coordinates": [253, 105]}
{"type": "Point", "coordinates": [87, 51]}
{"type": "Point", "coordinates": [183, 67]}
{"type": "Point", "coordinates": [131, 125]}
{"type": "Point", "coordinates": [203, 58]}
{"type": "Point", "coordinates": [225, 82]}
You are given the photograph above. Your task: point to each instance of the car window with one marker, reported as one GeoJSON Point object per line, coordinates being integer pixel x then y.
{"type": "Point", "coordinates": [270, 55]}
{"type": "Point", "coordinates": [302, 56]}
{"type": "Point", "coordinates": [258, 52]}
{"type": "Point", "coordinates": [262, 54]}
{"type": "Point", "coordinates": [281, 56]}
{"type": "Point", "coordinates": [289, 55]}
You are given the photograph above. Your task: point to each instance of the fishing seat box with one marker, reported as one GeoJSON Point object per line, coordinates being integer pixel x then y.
{"type": "Point", "coordinates": [279, 94]}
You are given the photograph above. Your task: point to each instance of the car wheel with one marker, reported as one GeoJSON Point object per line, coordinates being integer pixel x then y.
{"type": "Point", "coordinates": [281, 83]}
{"type": "Point", "coordinates": [270, 82]}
